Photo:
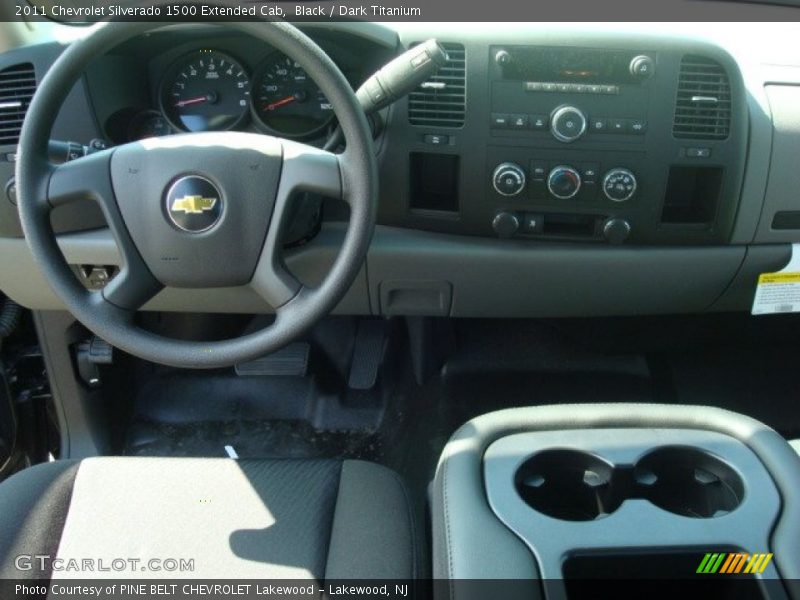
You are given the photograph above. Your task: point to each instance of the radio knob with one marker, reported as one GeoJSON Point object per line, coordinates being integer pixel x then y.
{"type": "Point", "coordinates": [505, 224]}
{"type": "Point", "coordinates": [508, 179]}
{"type": "Point", "coordinates": [564, 182]}
{"type": "Point", "coordinates": [502, 58]}
{"type": "Point", "coordinates": [567, 123]}
{"type": "Point", "coordinates": [619, 185]}
{"type": "Point", "coordinates": [642, 67]}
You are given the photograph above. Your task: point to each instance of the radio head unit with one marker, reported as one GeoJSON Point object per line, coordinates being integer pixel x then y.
{"type": "Point", "coordinates": [571, 65]}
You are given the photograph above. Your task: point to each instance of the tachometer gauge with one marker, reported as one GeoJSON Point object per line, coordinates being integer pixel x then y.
{"type": "Point", "coordinates": [205, 91]}
{"type": "Point", "coordinates": [287, 101]}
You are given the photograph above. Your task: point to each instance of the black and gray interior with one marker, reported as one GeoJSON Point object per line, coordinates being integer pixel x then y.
{"type": "Point", "coordinates": [509, 310]}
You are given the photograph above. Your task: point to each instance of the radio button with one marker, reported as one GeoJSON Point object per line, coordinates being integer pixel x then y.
{"type": "Point", "coordinates": [637, 126]}
{"type": "Point", "coordinates": [642, 67]}
{"type": "Point", "coordinates": [539, 122]}
{"type": "Point", "coordinates": [599, 125]}
{"type": "Point", "coordinates": [499, 121]}
{"type": "Point", "coordinates": [618, 125]}
{"type": "Point", "coordinates": [567, 124]}
{"type": "Point", "coordinates": [518, 121]}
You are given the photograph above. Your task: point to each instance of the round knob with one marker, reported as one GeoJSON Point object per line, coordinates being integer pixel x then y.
{"type": "Point", "coordinates": [619, 185]}
{"type": "Point", "coordinates": [616, 230]}
{"type": "Point", "coordinates": [642, 67]}
{"type": "Point", "coordinates": [502, 58]}
{"type": "Point", "coordinates": [508, 179]}
{"type": "Point", "coordinates": [564, 182]}
{"type": "Point", "coordinates": [567, 123]}
{"type": "Point", "coordinates": [505, 224]}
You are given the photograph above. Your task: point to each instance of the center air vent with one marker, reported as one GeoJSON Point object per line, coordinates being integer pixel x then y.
{"type": "Point", "coordinates": [441, 101]}
{"type": "Point", "coordinates": [703, 104]}
{"type": "Point", "coordinates": [17, 85]}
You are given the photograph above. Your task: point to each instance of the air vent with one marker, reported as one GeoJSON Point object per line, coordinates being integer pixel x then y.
{"type": "Point", "coordinates": [703, 104]}
{"type": "Point", "coordinates": [441, 101]}
{"type": "Point", "coordinates": [17, 85]}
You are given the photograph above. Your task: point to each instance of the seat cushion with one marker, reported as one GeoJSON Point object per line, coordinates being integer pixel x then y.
{"type": "Point", "coordinates": [265, 519]}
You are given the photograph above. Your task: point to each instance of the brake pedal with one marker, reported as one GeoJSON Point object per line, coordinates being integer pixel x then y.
{"type": "Point", "coordinates": [291, 361]}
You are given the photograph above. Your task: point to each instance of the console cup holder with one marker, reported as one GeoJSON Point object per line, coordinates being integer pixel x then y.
{"type": "Point", "coordinates": [689, 482]}
{"type": "Point", "coordinates": [568, 484]}
{"type": "Point", "coordinates": [574, 485]}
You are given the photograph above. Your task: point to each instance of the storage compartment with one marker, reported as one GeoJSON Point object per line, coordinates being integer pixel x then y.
{"type": "Point", "coordinates": [434, 182]}
{"type": "Point", "coordinates": [674, 574]}
{"type": "Point", "coordinates": [692, 195]}
{"type": "Point", "coordinates": [573, 485]}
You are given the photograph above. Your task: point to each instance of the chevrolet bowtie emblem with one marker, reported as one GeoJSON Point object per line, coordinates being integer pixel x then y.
{"type": "Point", "coordinates": [193, 205]}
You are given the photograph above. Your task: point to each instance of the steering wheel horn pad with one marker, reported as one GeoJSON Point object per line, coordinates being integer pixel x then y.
{"type": "Point", "coordinates": [197, 210]}
{"type": "Point", "coordinates": [242, 169]}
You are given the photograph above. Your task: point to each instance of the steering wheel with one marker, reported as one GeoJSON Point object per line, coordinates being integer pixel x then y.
{"type": "Point", "coordinates": [197, 210]}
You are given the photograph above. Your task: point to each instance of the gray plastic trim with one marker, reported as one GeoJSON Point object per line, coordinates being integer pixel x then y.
{"type": "Point", "coordinates": [784, 177]}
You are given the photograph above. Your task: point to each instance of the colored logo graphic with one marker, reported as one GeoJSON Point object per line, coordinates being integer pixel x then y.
{"type": "Point", "coordinates": [193, 204]}
{"type": "Point", "coordinates": [734, 562]}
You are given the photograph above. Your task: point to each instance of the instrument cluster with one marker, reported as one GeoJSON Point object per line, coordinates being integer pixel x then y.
{"type": "Point", "coordinates": [211, 90]}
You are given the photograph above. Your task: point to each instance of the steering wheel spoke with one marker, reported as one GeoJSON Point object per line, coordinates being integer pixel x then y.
{"type": "Point", "coordinates": [88, 178]}
{"type": "Point", "coordinates": [304, 169]}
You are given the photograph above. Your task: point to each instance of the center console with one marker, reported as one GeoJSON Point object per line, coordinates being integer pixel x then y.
{"type": "Point", "coordinates": [612, 144]}
{"type": "Point", "coordinates": [642, 142]}
{"type": "Point", "coordinates": [563, 497]}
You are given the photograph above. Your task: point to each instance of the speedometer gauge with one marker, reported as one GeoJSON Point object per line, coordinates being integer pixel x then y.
{"type": "Point", "coordinates": [205, 91]}
{"type": "Point", "coordinates": [287, 101]}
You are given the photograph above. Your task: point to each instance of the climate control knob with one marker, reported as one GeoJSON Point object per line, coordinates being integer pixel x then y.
{"type": "Point", "coordinates": [567, 123]}
{"type": "Point", "coordinates": [619, 185]}
{"type": "Point", "coordinates": [508, 179]}
{"type": "Point", "coordinates": [564, 182]}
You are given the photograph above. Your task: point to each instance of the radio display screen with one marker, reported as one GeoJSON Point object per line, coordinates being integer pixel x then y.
{"type": "Point", "coordinates": [569, 65]}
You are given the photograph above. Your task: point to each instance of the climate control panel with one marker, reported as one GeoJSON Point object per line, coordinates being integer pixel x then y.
{"type": "Point", "coordinates": [563, 181]}
{"type": "Point", "coordinates": [566, 193]}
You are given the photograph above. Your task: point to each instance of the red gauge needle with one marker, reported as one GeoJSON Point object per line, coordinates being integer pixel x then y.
{"type": "Point", "coordinates": [190, 101]}
{"type": "Point", "coordinates": [281, 102]}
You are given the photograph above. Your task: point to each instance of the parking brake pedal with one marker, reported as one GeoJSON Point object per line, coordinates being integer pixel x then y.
{"type": "Point", "coordinates": [89, 355]}
{"type": "Point", "coordinates": [367, 354]}
{"type": "Point", "coordinates": [291, 361]}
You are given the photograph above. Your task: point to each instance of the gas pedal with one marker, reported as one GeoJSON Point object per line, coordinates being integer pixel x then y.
{"type": "Point", "coordinates": [367, 354]}
{"type": "Point", "coordinates": [291, 361]}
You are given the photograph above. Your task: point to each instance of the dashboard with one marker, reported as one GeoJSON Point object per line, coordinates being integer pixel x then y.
{"type": "Point", "coordinates": [544, 171]}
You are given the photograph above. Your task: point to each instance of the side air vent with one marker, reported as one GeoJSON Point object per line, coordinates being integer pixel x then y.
{"type": "Point", "coordinates": [17, 85]}
{"type": "Point", "coordinates": [703, 104]}
{"type": "Point", "coordinates": [441, 101]}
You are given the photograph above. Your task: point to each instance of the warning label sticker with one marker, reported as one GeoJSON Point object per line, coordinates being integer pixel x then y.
{"type": "Point", "coordinates": [779, 292]}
